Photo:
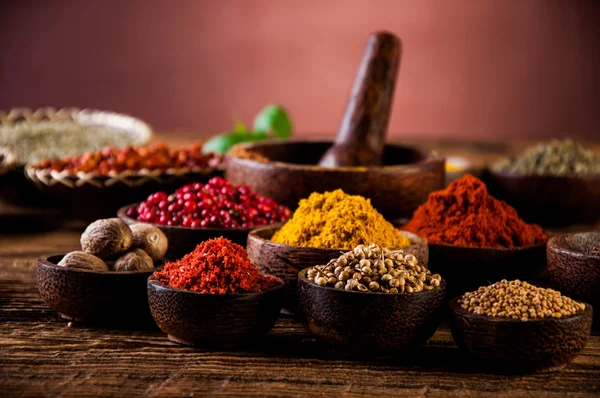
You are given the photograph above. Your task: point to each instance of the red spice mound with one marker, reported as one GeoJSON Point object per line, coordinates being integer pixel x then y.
{"type": "Point", "coordinates": [465, 214]}
{"type": "Point", "coordinates": [216, 266]}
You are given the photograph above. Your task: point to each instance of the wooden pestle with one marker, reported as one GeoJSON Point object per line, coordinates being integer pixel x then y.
{"type": "Point", "coordinates": [361, 137]}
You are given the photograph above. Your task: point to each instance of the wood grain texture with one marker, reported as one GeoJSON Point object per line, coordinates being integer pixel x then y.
{"type": "Point", "coordinates": [41, 356]}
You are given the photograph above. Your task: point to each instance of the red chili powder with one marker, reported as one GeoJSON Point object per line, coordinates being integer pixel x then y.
{"type": "Point", "coordinates": [216, 266]}
{"type": "Point", "coordinates": [465, 214]}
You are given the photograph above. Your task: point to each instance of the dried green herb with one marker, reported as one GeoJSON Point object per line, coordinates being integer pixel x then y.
{"type": "Point", "coordinates": [33, 142]}
{"type": "Point", "coordinates": [557, 157]}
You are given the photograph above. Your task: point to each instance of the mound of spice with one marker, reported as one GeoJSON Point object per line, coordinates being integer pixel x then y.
{"type": "Point", "coordinates": [216, 204]}
{"type": "Point", "coordinates": [519, 300]}
{"type": "Point", "coordinates": [35, 141]}
{"type": "Point", "coordinates": [117, 160]}
{"type": "Point", "coordinates": [335, 220]}
{"type": "Point", "coordinates": [216, 266]}
{"type": "Point", "coordinates": [375, 269]}
{"type": "Point", "coordinates": [465, 214]}
{"type": "Point", "coordinates": [557, 157]}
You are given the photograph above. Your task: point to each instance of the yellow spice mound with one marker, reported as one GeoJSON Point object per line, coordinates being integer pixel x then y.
{"type": "Point", "coordinates": [335, 220]}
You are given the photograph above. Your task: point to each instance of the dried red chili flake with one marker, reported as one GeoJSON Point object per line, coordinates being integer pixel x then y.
{"type": "Point", "coordinates": [216, 266]}
{"type": "Point", "coordinates": [216, 204]}
{"type": "Point", "coordinates": [116, 160]}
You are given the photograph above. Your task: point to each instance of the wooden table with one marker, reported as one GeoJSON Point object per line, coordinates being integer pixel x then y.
{"type": "Point", "coordinates": [41, 356]}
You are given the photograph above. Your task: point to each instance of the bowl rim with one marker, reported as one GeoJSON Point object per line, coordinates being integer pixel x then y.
{"type": "Point", "coordinates": [152, 280]}
{"type": "Point", "coordinates": [456, 310]}
{"type": "Point", "coordinates": [420, 240]}
{"type": "Point", "coordinates": [513, 176]}
{"type": "Point", "coordinates": [487, 248]}
{"type": "Point", "coordinates": [42, 175]}
{"type": "Point", "coordinates": [45, 261]}
{"type": "Point", "coordinates": [302, 276]}
{"type": "Point", "coordinates": [556, 248]}
{"type": "Point", "coordinates": [429, 157]}
{"type": "Point", "coordinates": [122, 214]}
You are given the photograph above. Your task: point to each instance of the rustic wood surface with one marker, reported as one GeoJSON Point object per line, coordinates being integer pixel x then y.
{"type": "Point", "coordinates": [41, 356]}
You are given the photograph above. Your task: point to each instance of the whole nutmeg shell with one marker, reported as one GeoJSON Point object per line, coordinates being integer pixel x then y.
{"type": "Point", "coordinates": [106, 238]}
{"type": "Point", "coordinates": [134, 260]}
{"type": "Point", "coordinates": [83, 260]}
{"type": "Point", "coordinates": [150, 239]}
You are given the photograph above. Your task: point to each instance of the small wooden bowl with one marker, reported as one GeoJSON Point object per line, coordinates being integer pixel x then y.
{"type": "Point", "coordinates": [572, 271]}
{"type": "Point", "coordinates": [467, 268]}
{"type": "Point", "coordinates": [515, 346]}
{"type": "Point", "coordinates": [92, 296]}
{"type": "Point", "coordinates": [548, 200]}
{"type": "Point", "coordinates": [396, 189]}
{"type": "Point", "coordinates": [369, 323]}
{"type": "Point", "coordinates": [286, 261]}
{"type": "Point", "coordinates": [194, 318]}
{"type": "Point", "coordinates": [183, 240]}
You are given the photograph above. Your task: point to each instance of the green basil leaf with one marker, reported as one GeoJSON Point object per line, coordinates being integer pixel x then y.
{"type": "Point", "coordinates": [223, 142]}
{"type": "Point", "coordinates": [275, 119]}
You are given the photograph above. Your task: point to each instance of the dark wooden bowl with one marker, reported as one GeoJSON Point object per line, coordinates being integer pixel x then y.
{"type": "Point", "coordinates": [369, 323]}
{"type": "Point", "coordinates": [194, 318]}
{"type": "Point", "coordinates": [548, 200]}
{"type": "Point", "coordinates": [183, 240]}
{"type": "Point", "coordinates": [286, 261]}
{"type": "Point", "coordinates": [91, 296]}
{"type": "Point", "coordinates": [572, 271]}
{"type": "Point", "coordinates": [101, 196]}
{"type": "Point", "coordinates": [467, 268]}
{"type": "Point", "coordinates": [395, 189]}
{"type": "Point", "coordinates": [515, 346]}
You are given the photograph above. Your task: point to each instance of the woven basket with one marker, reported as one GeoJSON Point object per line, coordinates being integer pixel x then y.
{"type": "Point", "coordinates": [138, 132]}
{"type": "Point", "coordinates": [15, 188]}
{"type": "Point", "coordinates": [9, 161]}
{"type": "Point", "coordinates": [90, 196]}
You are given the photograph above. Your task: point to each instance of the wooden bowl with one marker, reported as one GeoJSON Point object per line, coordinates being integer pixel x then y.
{"type": "Point", "coordinates": [467, 268]}
{"type": "Point", "coordinates": [90, 197]}
{"type": "Point", "coordinates": [286, 261]}
{"type": "Point", "coordinates": [369, 323]}
{"type": "Point", "coordinates": [194, 318]}
{"type": "Point", "coordinates": [92, 296]}
{"type": "Point", "coordinates": [515, 346]}
{"type": "Point", "coordinates": [395, 189]}
{"type": "Point", "coordinates": [548, 200]}
{"type": "Point", "coordinates": [183, 240]}
{"type": "Point", "coordinates": [572, 271]}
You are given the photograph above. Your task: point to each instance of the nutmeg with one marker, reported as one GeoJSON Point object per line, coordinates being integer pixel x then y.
{"type": "Point", "coordinates": [150, 239]}
{"type": "Point", "coordinates": [134, 260]}
{"type": "Point", "coordinates": [106, 238]}
{"type": "Point", "coordinates": [83, 260]}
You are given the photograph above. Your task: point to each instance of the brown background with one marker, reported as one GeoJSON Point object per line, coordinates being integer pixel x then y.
{"type": "Point", "coordinates": [505, 68]}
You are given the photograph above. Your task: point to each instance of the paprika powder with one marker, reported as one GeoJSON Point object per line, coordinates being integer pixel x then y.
{"type": "Point", "coordinates": [465, 214]}
{"type": "Point", "coordinates": [216, 266]}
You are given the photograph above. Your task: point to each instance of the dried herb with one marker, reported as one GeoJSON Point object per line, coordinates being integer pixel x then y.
{"type": "Point", "coordinates": [557, 157]}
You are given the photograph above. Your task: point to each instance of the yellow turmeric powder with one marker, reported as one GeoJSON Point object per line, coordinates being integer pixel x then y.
{"type": "Point", "coordinates": [335, 220]}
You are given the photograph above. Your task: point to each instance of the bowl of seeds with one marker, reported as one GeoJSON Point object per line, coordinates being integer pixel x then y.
{"type": "Point", "coordinates": [515, 327]}
{"type": "Point", "coordinates": [574, 266]}
{"type": "Point", "coordinates": [48, 133]}
{"type": "Point", "coordinates": [553, 184]}
{"type": "Point", "coordinates": [371, 301]}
